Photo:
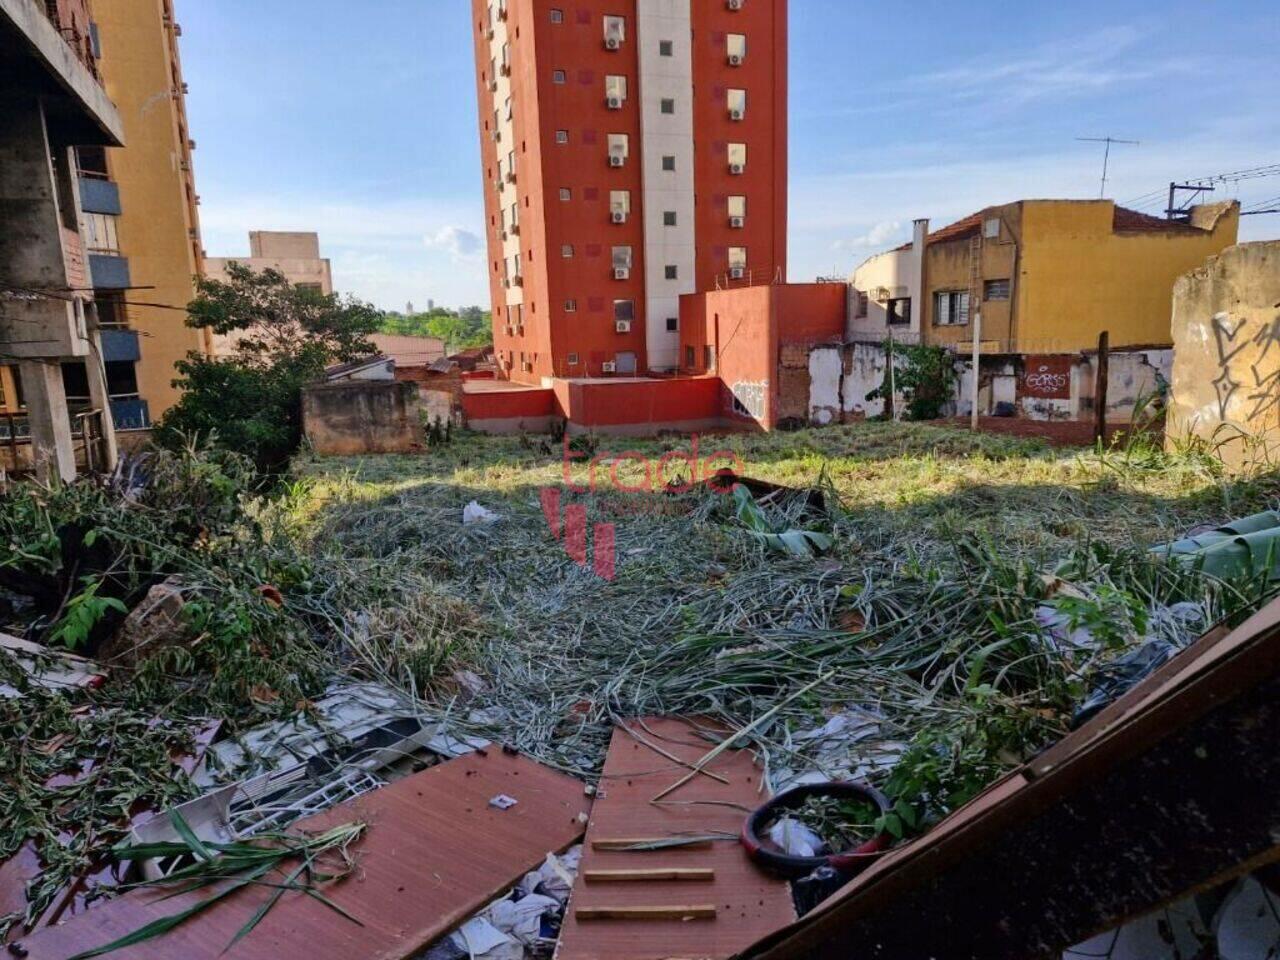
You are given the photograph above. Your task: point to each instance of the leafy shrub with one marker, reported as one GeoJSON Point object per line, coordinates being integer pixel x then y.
{"type": "Point", "coordinates": [924, 375]}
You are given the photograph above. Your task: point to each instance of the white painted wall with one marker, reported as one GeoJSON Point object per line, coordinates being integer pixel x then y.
{"type": "Point", "coordinates": [898, 271]}
{"type": "Point", "coordinates": [666, 135]}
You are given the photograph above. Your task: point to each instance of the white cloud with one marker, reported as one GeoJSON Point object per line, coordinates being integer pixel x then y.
{"type": "Point", "coordinates": [878, 236]}
{"type": "Point", "coordinates": [456, 241]}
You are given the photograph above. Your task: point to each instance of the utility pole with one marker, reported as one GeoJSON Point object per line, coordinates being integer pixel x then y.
{"type": "Point", "coordinates": [1100, 388]}
{"type": "Point", "coordinates": [1176, 212]}
{"type": "Point", "coordinates": [1106, 156]}
{"type": "Point", "coordinates": [977, 377]}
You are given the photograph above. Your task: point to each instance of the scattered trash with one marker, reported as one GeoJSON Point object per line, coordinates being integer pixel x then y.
{"type": "Point", "coordinates": [48, 668]}
{"type": "Point", "coordinates": [794, 838]}
{"type": "Point", "coordinates": [1117, 677]}
{"type": "Point", "coordinates": [503, 802]}
{"type": "Point", "coordinates": [473, 513]}
{"type": "Point", "coordinates": [835, 825]}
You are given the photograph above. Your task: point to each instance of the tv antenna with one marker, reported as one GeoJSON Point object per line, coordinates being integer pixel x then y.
{"type": "Point", "coordinates": [1106, 156]}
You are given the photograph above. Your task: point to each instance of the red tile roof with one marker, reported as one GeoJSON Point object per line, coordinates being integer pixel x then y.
{"type": "Point", "coordinates": [1124, 221]}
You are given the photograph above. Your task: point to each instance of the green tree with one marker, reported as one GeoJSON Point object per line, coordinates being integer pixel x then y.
{"type": "Point", "coordinates": [283, 337]}
{"type": "Point", "coordinates": [459, 329]}
{"type": "Point", "coordinates": [924, 375]}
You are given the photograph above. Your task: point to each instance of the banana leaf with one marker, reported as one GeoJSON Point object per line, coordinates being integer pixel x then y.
{"type": "Point", "coordinates": [798, 543]}
{"type": "Point", "coordinates": [1248, 546]}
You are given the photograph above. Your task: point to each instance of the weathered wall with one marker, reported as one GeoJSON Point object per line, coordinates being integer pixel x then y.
{"type": "Point", "coordinates": [1226, 369]}
{"type": "Point", "coordinates": [840, 379]}
{"type": "Point", "coordinates": [356, 417]}
{"type": "Point", "coordinates": [1081, 275]}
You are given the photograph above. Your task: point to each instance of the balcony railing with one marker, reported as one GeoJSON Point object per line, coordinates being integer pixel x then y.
{"type": "Point", "coordinates": [60, 14]}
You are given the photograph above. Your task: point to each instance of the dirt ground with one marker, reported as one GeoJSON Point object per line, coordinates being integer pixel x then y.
{"type": "Point", "coordinates": [1059, 433]}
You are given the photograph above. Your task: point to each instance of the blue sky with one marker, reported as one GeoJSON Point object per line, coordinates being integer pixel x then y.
{"type": "Point", "coordinates": [358, 119]}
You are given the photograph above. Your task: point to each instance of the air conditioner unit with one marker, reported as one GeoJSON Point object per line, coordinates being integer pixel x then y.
{"type": "Point", "coordinates": [612, 43]}
{"type": "Point", "coordinates": [619, 216]}
{"type": "Point", "coordinates": [736, 114]}
{"type": "Point", "coordinates": [735, 273]}
{"type": "Point", "coordinates": [518, 280]}
{"type": "Point", "coordinates": [734, 4]}
{"type": "Point", "coordinates": [882, 294]}
{"type": "Point", "coordinates": [614, 103]}
{"type": "Point", "coordinates": [735, 60]}
{"type": "Point", "coordinates": [622, 326]}
{"type": "Point", "coordinates": [617, 160]}
{"type": "Point", "coordinates": [736, 169]}
{"type": "Point", "coordinates": [608, 367]}
{"type": "Point", "coordinates": [515, 229]}
{"type": "Point", "coordinates": [737, 223]}
{"type": "Point", "coordinates": [621, 273]}
{"type": "Point", "coordinates": [511, 177]}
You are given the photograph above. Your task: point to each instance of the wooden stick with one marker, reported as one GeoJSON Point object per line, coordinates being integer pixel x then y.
{"type": "Point", "coordinates": [687, 874]}
{"type": "Point", "coordinates": [725, 744]}
{"type": "Point", "coordinates": [687, 764]}
{"type": "Point", "coordinates": [701, 911]}
{"type": "Point", "coordinates": [637, 844]}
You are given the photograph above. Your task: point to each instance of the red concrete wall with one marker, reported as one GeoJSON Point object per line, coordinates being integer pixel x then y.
{"type": "Point", "coordinates": [643, 402]}
{"type": "Point", "coordinates": [811, 312]}
{"type": "Point", "coordinates": [508, 404]}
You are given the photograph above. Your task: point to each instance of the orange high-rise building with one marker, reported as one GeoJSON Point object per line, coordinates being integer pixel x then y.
{"type": "Point", "coordinates": [634, 151]}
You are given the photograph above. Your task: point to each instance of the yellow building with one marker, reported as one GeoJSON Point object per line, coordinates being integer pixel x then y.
{"type": "Point", "coordinates": [139, 205]}
{"type": "Point", "coordinates": [1048, 276]}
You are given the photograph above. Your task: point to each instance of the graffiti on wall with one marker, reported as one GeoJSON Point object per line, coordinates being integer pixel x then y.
{"type": "Point", "coordinates": [1262, 380]}
{"type": "Point", "coordinates": [1046, 378]}
{"type": "Point", "coordinates": [749, 398]}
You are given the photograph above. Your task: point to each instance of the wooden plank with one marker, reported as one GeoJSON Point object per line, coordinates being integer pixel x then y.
{"type": "Point", "coordinates": [434, 854]}
{"type": "Point", "coordinates": [748, 902]}
{"type": "Point", "coordinates": [703, 911]}
{"type": "Point", "coordinates": [679, 874]}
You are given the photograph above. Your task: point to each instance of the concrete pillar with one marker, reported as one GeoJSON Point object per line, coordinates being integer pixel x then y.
{"type": "Point", "coordinates": [96, 373]}
{"type": "Point", "coordinates": [51, 446]}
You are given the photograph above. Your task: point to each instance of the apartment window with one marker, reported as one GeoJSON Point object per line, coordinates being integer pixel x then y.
{"type": "Point", "coordinates": [738, 207]}
{"type": "Point", "coordinates": [624, 310]}
{"type": "Point", "coordinates": [557, 16]}
{"type": "Point", "coordinates": [737, 100]}
{"type": "Point", "coordinates": [863, 306]}
{"type": "Point", "coordinates": [899, 311]}
{"type": "Point", "coordinates": [557, 76]}
{"type": "Point", "coordinates": [669, 164]}
{"type": "Point", "coordinates": [668, 218]}
{"type": "Point", "coordinates": [991, 228]}
{"type": "Point", "coordinates": [619, 147]}
{"type": "Point", "coordinates": [689, 358]}
{"type": "Point", "coordinates": [615, 31]}
{"type": "Point", "coordinates": [100, 233]}
{"type": "Point", "coordinates": [951, 308]}
{"type": "Point", "coordinates": [666, 48]}
{"type": "Point", "coordinates": [995, 290]}
{"type": "Point", "coordinates": [566, 251]}
{"type": "Point", "coordinates": [673, 272]}
{"type": "Point", "coordinates": [571, 306]}
{"type": "Point", "coordinates": [736, 44]}
{"type": "Point", "coordinates": [562, 136]}
{"type": "Point", "coordinates": [737, 258]}
{"type": "Point", "coordinates": [737, 157]}
{"type": "Point", "coordinates": [573, 359]}
{"type": "Point", "coordinates": [615, 89]}
{"type": "Point", "coordinates": [673, 324]}
{"type": "Point", "coordinates": [566, 194]}
{"type": "Point", "coordinates": [668, 105]}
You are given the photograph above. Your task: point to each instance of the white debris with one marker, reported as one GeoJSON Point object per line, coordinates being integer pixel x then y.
{"type": "Point", "coordinates": [503, 802]}
{"type": "Point", "coordinates": [522, 919]}
{"type": "Point", "coordinates": [849, 746]}
{"type": "Point", "coordinates": [483, 941]}
{"type": "Point", "coordinates": [1248, 925]}
{"type": "Point", "coordinates": [795, 838]}
{"type": "Point", "coordinates": [473, 513]}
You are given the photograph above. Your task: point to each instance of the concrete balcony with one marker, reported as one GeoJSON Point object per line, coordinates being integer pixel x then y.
{"type": "Point", "coordinates": [109, 272]}
{"type": "Point", "coordinates": [99, 196]}
{"type": "Point", "coordinates": [120, 346]}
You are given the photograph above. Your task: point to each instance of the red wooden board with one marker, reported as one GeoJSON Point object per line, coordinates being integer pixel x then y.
{"type": "Point", "coordinates": [749, 903]}
{"type": "Point", "coordinates": [435, 853]}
